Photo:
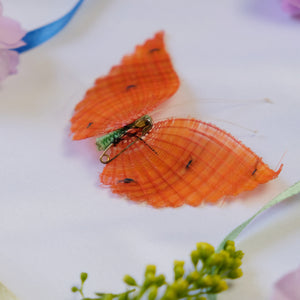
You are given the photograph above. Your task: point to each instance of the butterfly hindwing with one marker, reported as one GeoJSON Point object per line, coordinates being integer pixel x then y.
{"type": "Point", "coordinates": [184, 161]}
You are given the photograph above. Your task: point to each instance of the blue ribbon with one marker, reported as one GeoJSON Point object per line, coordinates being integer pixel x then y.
{"type": "Point", "coordinates": [40, 35]}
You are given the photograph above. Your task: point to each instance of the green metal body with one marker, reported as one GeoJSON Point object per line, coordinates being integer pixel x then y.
{"type": "Point", "coordinates": [144, 124]}
{"type": "Point", "coordinates": [104, 141]}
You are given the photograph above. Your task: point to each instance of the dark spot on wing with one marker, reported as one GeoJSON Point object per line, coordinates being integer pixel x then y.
{"type": "Point", "coordinates": [154, 50]}
{"type": "Point", "coordinates": [189, 164]}
{"type": "Point", "coordinates": [255, 168]}
{"type": "Point", "coordinates": [126, 180]}
{"type": "Point", "coordinates": [130, 87]}
{"type": "Point", "coordinates": [254, 172]}
{"type": "Point", "coordinates": [89, 125]}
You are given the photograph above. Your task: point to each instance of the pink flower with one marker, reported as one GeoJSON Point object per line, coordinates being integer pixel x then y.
{"type": "Point", "coordinates": [291, 6]}
{"type": "Point", "coordinates": [288, 287]}
{"type": "Point", "coordinates": [11, 34]}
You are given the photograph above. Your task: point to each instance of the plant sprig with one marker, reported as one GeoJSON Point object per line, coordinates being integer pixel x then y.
{"type": "Point", "coordinates": [209, 276]}
{"type": "Point", "coordinates": [211, 268]}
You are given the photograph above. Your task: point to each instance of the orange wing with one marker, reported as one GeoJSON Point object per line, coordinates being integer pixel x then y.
{"type": "Point", "coordinates": [184, 161]}
{"type": "Point", "coordinates": [132, 89]}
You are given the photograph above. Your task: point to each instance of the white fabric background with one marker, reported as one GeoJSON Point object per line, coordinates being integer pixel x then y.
{"type": "Point", "coordinates": [55, 220]}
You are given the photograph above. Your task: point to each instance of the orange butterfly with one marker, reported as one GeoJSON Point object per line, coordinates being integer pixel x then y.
{"type": "Point", "coordinates": [168, 163]}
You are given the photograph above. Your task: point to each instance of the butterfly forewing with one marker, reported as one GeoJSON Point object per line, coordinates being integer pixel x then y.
{"type": "Point", "coordinates": [142, 81]}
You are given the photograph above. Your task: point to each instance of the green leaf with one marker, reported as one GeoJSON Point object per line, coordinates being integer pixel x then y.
{"type": "Point", "coordinates": [291, 191]}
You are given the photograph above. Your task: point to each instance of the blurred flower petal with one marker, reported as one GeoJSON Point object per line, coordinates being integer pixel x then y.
{"type": "Point", "coordinates": [6, 294]}
{"type": "Point", "coordinates": [8, 63]}
{"type": "Point", "coordinates": [288, 287]}
{"type": "Point", "coordinates": [11, 35]}
{"type": "Point", "coordinates": [291, 6]}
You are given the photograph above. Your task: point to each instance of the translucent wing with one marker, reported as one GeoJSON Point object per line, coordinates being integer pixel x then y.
{"type": "Point", "coordinates": [142, 81]}
{"type": "Point", "coordinates": [184, 161]}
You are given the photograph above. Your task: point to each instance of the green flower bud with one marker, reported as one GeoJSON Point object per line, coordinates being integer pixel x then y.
{"type": "Point", "coordinates": [178, 269]}
{"type": "Point", "coordinates": [74, 289]}
{"type": "Point", "coordinates": [216, 259]}
{"type": "Point", "coordinates": [229, 244]}
{"type": "Point", "coordinates": [193, 276]}
{"type": "Point", "coordinates": [83, 276]}
{"type": "Point", "coordinates": [233, 274]}
{"type": "Point", "coordinates": [152, 293]}
{"type": "Point", "coordinates": [179, 263]}
{"type": "Point", "coordinates": [220, 286]}
{"type": "Point", "coordinates": [204, 282]}
{"type": "Point", "coordinates": [238, 254]}
{"type": "Point", "coordinates": [225, 258]}
{"type": "Point", "coordinates": [129, 280]}
{"type": "Point", "coordinates": [230, 262]}
{"type": "Point", "coordinates": [195, 257]}
{"type": "Point", "coordinates": [205, 250]}
{"type": "Point", "coordinates": [149, 280]}
{"type": "Point", "coordinates": [180, 286]}
{"type": "Point", "coordinates": [230, 250]}
{"type": "Point", "coordinates": [160, 280]}
{"type": "Point", "coordinates": [236, 263]}
{"type": "Point", "coordinates": [150, 269]}
{"type": "Point", "coordinates": [169, 294]}
{"type": "Point", "coordinates": [225, 254]}
{"type": "Point", "coordinates": [216, 279]}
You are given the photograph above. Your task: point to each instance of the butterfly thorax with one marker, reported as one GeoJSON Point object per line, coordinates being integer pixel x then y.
{"type": "Point", "coordinates": [137, 129]}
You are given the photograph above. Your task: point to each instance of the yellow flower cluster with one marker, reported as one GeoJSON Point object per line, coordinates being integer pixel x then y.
{"type": "Point", "coordinates": [209, 275]}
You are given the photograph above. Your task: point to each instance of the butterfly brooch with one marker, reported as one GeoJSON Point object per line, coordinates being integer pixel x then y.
{"type": "Point", "coordinates": [167, 163]}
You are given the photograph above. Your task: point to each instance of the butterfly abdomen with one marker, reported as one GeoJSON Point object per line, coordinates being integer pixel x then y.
{"type": "Point", "coordinates": [111, 138]}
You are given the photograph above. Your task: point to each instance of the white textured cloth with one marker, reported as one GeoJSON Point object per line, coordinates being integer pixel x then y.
{"type": "Point", "coordinates": [55, 219]}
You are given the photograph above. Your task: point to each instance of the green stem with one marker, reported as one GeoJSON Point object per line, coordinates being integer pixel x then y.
{"type": "Point", "coordinates": [141, 293]}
